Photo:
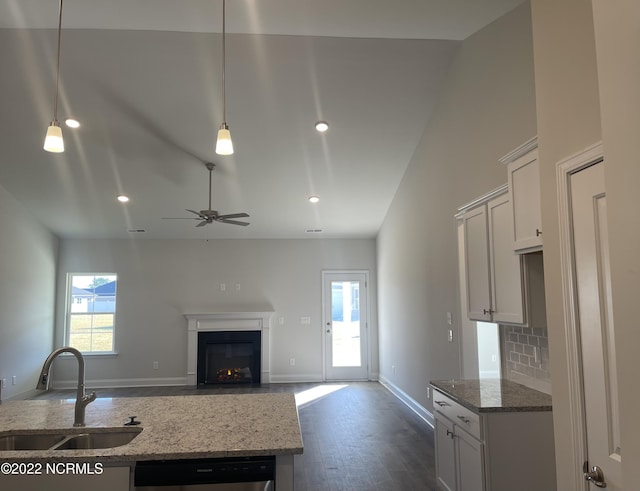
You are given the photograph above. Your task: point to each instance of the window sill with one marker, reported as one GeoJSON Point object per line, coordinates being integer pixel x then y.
{"type": "Point", "coordinates": [109, 354]}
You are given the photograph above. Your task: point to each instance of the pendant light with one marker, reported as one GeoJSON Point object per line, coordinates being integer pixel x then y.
{"type": "Point", "coordinates": [53, 142]}
{"type": "Point", "coordinates": [224, 145]}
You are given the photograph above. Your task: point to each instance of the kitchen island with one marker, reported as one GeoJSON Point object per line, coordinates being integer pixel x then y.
{"type": "Point", "coordinates": [492, 435]}
{"type": "Point", "coordinates": [172, 428]}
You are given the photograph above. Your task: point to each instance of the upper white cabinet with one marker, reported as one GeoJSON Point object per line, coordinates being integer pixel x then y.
{"type": "Point", "coordinates": [493, 272]}
{"type": "Point", "coordinates": [524, 186]}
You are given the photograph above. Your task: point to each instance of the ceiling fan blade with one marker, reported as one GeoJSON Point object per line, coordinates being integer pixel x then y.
{"type": "Point", "coordinates": [179, 218]}
{"type": "Point", "coordinates": [202, 223]}
{"type": "Point", "coordinates": [233, 215]}
{"type": "Point", "coordinates": [234, 222]}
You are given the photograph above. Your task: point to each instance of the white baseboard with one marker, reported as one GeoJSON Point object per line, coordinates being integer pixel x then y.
{"type": "Point", "coordinates": [297, 378]}
{"type": "Point", "coordinates": [121, 382]}
{"type": "Point", "coordinates": [411, 403]}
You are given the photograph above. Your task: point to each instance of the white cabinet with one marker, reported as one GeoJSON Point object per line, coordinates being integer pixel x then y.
{"type": "Point", "coordinates": [459, 454]}
{"type": "Point", "coordinates": [524, 185]}
{"type": "Point", "coordinates": [470, 454]}
{"type": "Point", "coordinates": [492, 451]}
{"type": "Point", "coordinates": [80, 477]}
{"type": "Point", "coordinates": [493, 272]}
{"type": "Point", "coordinates": [445, 454]}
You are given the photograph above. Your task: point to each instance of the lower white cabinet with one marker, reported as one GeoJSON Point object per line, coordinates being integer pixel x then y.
{"type": "Point", "coordinates": [445, 453]}
{"type": "Point", "coordinates": [459, 457]}
{"type": "Point", "coordinates": [492, 451]}
{"type": "Point", "coordinates": [67, 476]}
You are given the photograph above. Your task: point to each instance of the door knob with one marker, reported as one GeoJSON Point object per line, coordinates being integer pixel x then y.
{"type": "Point", "coordinates": [595, 475]}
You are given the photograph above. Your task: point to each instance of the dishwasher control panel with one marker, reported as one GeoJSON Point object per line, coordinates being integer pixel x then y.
{"type": "Point", "coordinates": [203, 471]}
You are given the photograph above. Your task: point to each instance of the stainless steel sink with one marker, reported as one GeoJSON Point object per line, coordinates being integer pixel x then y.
{"type": "Point", "coordinates": [30, 441]}
{"type": "Point", "coordinates": [98, 440]}
{"type": "Point", "coordinates": [89, 438]}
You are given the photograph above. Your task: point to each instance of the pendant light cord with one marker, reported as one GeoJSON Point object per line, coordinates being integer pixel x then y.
{"type": "Point", "coordinates": [224, 99]}
{"type": "Point", "coordinates": [55, 103]}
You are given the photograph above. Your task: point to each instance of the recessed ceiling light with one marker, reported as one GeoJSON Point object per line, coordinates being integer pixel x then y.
{"type": "Point", "coordinates": [122, 198]}
{"type": "Point", "coordinates": [322, 126]}
{"type": "Point", "coordinates": [313, 199]}
{"type": "Point", "coordinates": [72, 123]}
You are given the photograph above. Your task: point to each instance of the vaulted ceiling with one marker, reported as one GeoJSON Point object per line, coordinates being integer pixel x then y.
{"type": "Point", "coordinates": [143, 78]}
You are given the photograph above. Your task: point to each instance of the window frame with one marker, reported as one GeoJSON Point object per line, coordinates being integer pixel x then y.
{"type": "Point", "coordinates": [69, 303]}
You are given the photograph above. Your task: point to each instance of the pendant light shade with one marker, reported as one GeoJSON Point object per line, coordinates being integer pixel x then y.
{"type": "Point", "coordinates": [53, 141]}
{"type": "Point", "coordinates": [224, 145]}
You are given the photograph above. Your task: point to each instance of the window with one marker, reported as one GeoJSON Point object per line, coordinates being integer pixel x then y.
{"type": "Point", "coordinates": [91, 312]}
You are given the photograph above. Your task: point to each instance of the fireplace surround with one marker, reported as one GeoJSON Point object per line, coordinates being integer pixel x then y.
{"type": "Point", "coordinates": [237, 322]}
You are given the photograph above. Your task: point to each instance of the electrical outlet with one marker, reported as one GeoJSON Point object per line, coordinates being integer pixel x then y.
{"type": "Point", "coordinates": [450, 335]}
{"type": "Point", "coordinates": [223, 287]}
{"type": "Point", "coordinates": [14, 380]}
{"type": "Point", "coordinates": [4, 383]}
{"type": "Point", "coordinates": [155, 365]}
{"type": "Point", "coordinates": [292, 362]}
{"type": "Point", "coordinates": [428, 392]}
{"type": "Point", "coordinates": [237, 287]}
{"type": "Point", "coordinates": [449, 318]}
{"type": "Point", "coordinates": [305, 320]}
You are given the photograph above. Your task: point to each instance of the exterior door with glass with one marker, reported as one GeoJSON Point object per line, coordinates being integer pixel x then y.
{"type": "Point", "coordinates": [345, 325]}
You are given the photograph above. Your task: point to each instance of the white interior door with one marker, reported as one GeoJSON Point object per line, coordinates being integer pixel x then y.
{"type": "Point", "coordinates": [345, 325]}
{"type": "Point", "coordinates": [595, 324]}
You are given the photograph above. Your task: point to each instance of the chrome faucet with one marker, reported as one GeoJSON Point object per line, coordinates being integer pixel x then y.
{"type": "Point", "coordinates": [82, 400]}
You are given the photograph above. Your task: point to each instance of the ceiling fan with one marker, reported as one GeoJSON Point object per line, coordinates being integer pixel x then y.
{"type": "Point", "coordinates": [209, 216]}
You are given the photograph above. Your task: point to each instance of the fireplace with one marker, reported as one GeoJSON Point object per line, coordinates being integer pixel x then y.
{"type": "Point", "coordinates": [229, 357]}
{"type": "Point", "coordinates": [237, 326]}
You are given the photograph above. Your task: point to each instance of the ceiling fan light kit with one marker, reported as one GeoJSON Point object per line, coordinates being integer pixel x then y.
{"type": "Point", "coordinates": [53, 141]}
{"type": "Point", "coordinates": [224, 145]}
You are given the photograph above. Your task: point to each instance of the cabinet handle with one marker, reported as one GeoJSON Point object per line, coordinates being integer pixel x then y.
{"type": "Point", "coordinates": [441, 403]}
{"type": "Point", "coordinates": [538, 232]}
{"type": "Point", "coordinates": [489, 311]}
{"type": "Point", "coordinates": [464, 420]}
{"type": "Point", "coordinates": [450, 434]}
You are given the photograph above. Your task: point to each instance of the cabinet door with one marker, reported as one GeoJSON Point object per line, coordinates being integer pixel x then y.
{"type": "Point", "coordinates": [477, 262]}
{"type": "Point", "coordinates": [94, 479]}
{"type": "Point", "coordinates": [470, 457]}
{"type": "Point", "coordinates": [506, 269]}
{"type": "Point", "coordinates": [445, 454]}
{"type": "Point", "coordinates": [524, 185]}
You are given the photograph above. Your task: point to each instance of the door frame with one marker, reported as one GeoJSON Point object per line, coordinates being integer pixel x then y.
{"type": "Point", "coordinates": [564, 169]}
{"type": "Point", "coordinates": [365, 331]}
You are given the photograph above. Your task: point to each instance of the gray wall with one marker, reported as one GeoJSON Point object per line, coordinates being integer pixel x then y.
{"type": "Point", "coordinates": [28, 255]}
{"type": "Point", "coordinates": [486, 109]}
{"type": "Point", "coordinates": [587, 90]}
{"type": "Point", "coordinates": [161, 280]}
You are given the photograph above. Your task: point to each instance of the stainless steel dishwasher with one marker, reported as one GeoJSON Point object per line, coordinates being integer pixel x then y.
{"type": "Point", "coordinates": [220, 474]}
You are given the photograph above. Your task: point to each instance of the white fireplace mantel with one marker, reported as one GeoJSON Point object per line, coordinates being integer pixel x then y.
{"type": "Point", "coordinates": [227, 321]}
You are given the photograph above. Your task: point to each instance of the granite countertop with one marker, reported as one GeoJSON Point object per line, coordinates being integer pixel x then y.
{"type": "Point", "coordinates": [494, 395]}
{"type": "Point", "coordinates": [173, 427]}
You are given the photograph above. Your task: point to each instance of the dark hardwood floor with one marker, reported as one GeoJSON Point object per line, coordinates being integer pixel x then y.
{"type": "Point", "coordinates": [356, 438]}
